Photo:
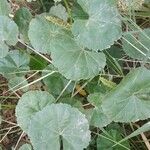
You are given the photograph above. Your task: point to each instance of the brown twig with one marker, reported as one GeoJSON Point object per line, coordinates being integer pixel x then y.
{"type": "Point", "coordinates": [145, 140]}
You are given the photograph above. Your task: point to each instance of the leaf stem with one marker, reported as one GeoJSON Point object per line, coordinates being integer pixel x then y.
{"type": "Point", "coordinates": [68, 10]}
{"type": "Point", "coordinates": [44, 8]}
{"type": "Point", "coordinates": [8, 106]}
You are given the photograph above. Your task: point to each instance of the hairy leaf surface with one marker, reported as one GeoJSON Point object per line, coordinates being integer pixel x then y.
{"type": "Point", "coordinates": [59, 11]}
{"type": "Point", "coordinates": [29, 104]}
{"type": "Point", "coordinates": [75, 62]}
{"type": "Point", "coordinates": [8, 35]}
{"type": "Point", "coordinates": [130, 100]}
{"type": "Point", "coordinates": [14, 62]}
{"type": "Point", "coordinates": [43, 34]}
{"type": "Point", "coordinates": [4, 7]}
{"type": "Point", "coordinates": [22, 19]}
{"type": "Point", "coordinates": [102, 27]}
{"type": "Point", "coordinates": [62, 123]}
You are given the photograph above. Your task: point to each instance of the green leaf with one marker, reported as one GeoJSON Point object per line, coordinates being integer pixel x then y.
{"type": "Point", "coordinates": [15, 83]}
{"type": "Point", "coordinates": [113, 63]}
{"type": "Point", "coordinates": [106, 144]}
{"type": "Point", "coordinates": [130, 100]}
{"type": "Point", "coordinates": [98, 118]}
{"type": "Point", "coordinates": [22, 18]}
{"type": "Point", "coordinates": [103, 26]}
{"type": "Point", "coordinates": [56, 82]}
{"type": "Point", "coordinates": [29, 104]}
{"type": "Point", "coordinates": [75, 62]}
{"type": "Point", "coordinates": [95, 86]}
{"type": "Point", "coordinates": [25, 147]}
{"type": "Point", "coordinates": [3, 49]}
{"type": "Point", "coordinates": [78, 13]}
{"type": "Point", "coordinates": [113, 54]}
{"type": "Point", "coordinates": [8, 34]}
{"type": "Point", "coordinates": [59, 11]}
{"type": "Point", "coordinates": [116, 52]}
{"type": "Point", "coordinates": [137, 45]}
{"type": "Point", "coordinates": [14, 62]}
{"type": "Point", "coordinates": [43, 34]}
{"type": "Point", "coordinates": [9, 31]}
{"type": "Point", "coordinates": [37, 62]}
{"type": "Point", "coordinates": [61, 124]}
{"type": "Point", "coordinates": [144, 128]}
{"type": "Point", "coordinates": [4, 7]}
{"type": "Point", "coordinates": [74, 102]}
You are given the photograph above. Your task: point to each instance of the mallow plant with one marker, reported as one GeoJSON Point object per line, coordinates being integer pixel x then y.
{"type": "Point", "coordinates": [75, 47]}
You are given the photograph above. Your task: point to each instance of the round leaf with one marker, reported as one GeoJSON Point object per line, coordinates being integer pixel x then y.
{"type": "Point", "coordinates": [130, 100]}
{"type": "Point", "coordinates": [15, 61]}
{"type": "Point", "coordinates": [22, 18]}
{"type": "Point", "coordinates": [75, 62]}
{"type": "Point", "coordinates": [61, 123]}
{"type": "Point", "coordinates": [8, 31]}
{"type": "Point", "coordinates": [43, 34]}
{"type": "Point", "coordinates": [29, 104]}
{"type": "Point", "coordinates": [59, 11]}
{"type": "Point", "coordinates": [8, 34]}
{"type": "Point", "coordinates": [102, 27]}
{"type": "Point", "coordinates": [4, 7]}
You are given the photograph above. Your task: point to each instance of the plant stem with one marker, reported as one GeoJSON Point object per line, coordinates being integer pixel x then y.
{"type": "Point", "coordinates": [144, 138]}
{"type": "Point", "coordinates": [8, 106]}
{"type": "Point", "coordinates": [44, 8]}
{"type": "Point", "coordinates": [68, 10]}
